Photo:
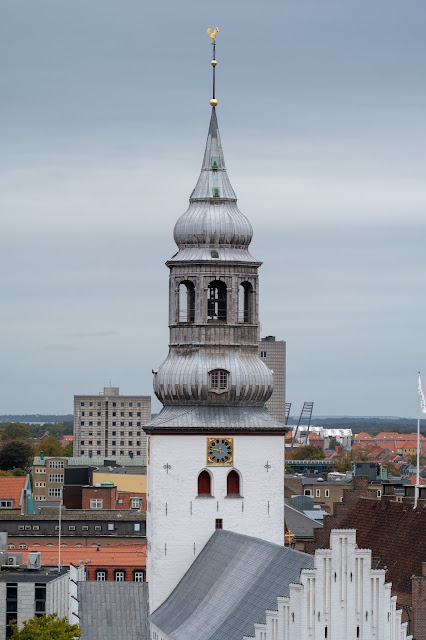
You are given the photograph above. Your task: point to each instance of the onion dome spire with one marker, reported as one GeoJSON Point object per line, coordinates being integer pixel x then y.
{"type": "Point", "coordinates": [213, 219]}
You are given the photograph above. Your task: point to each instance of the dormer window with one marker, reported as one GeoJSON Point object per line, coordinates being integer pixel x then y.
{"type": "Point", "coordinates": [218, 380]}
{"type": "Point", "coordinates": [214, 254]}
{"type": "Point", "coordinates": [216, 192]}
{"type": "Point", "coordinates": [215, 162]}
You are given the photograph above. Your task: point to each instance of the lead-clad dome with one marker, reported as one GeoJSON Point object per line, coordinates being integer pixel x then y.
{"type": "Point", "coordinates": [213, 218]}
{"type": "Point", "coordinates": [183, 378]}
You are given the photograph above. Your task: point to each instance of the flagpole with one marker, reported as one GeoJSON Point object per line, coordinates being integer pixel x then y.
{"type": "Point", "coordinates": [416, 493]}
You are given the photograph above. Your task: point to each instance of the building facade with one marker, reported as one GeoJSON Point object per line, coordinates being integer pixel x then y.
{"type": "Point", "coordinates": [341, 598]}
{"type": "Point", "coordinates": [110, 424]}
{"type": "Point", "coordinates": [213, 444]}
{"type": "Point", "coordinates": [273, 354]}
{"type": "Point", "coordinates": [51, 473]}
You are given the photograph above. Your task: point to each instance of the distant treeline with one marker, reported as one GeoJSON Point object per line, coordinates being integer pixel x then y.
{"type": "Point", "coordinates": [368, 424]}
{"type": "Point", "coordinates": [37, 417]}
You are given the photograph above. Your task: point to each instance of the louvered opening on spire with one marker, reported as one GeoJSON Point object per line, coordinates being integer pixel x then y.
{"type": "Point", "coordinates": [213, 182]}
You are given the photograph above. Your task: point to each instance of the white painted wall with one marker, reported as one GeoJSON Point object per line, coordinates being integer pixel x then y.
{"type": "Point", "coordinates": [179, 523]}
{"type": "Point", "coordinates": [342, 594]}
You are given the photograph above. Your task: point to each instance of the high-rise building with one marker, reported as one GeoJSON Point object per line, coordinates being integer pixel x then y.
{"type": "Point", "coordinates": [110, 424]}
{"type": "Point", "coordinates": [273, 353]}
{"type": "Point", "coordinates": [215, 455]}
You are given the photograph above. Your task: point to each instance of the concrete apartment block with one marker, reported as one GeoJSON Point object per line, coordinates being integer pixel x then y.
{"type": "Point", "coordinates": [110, 424]}
{"type": "Point", "coordinates": [273, 354]}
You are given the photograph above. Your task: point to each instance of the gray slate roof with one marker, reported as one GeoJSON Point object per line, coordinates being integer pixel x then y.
{"type": "Point", "coordinates": [113, 610]}
{"type": "Point", "coordinates": [228, 588]}
{"type": "Point", "coordinates": [299, 523]}
{"type": "Point", "coordinates": [212, 418]}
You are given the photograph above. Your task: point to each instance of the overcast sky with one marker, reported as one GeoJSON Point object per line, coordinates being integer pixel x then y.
{"type": "Point", "coordinates": [104, 115]}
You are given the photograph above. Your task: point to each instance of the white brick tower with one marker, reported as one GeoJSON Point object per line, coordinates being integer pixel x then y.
{"type": "Point", "coordinates": [215, 456]}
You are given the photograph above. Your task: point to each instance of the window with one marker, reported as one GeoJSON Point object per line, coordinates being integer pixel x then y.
{"type": "Point", "coordinates": [6, 504]}
{"type": "Point", "coordinates": [379, 493]}
{"type": "Point", "coordinates": [10, 546]}
{"type": "Point", "coordinates": [318, 493]}
{"type": "Point", "coordinates": [96, 503]}
{"type": "Point", "coordinates": [11, 606]}
{"type": "Point", "coordinates": [99, 404]}
{"type": "Point", "coordinates": [114, 404]}
{"type": "Point", "coordinates": [56, 464]}
{"type": "Point", "coordinates": [219, 523]}
{"type": "Point", "coordinates": [216, 301]}
{"type": "Point", "coordinates": [137, 526]}
{"type": "Point", "coordinates": [307, 492]}
{"type": "Point", "coordinates": [138, 453]}
{"type": "Point", "coordinates": [139, 576]}
{"type": "Point", "coordinates": [81, 404]}
{"type": "Point", "coordinates": [110, 526]}
{"type": "Point", "coordinates": [233, 483]}
{"type": "Point", "coordinates": [85, 527]}
{"type": "Point", "coordinates": [204, 483]}
{"type": "Point", "coordinates": [130, 432]}
{"type": "Point", "coordinates": [245, 298]}
{"type": "Point", "coordinates": [218, 379]}
{"type": "Point", "coordinates": [135, 503]}
{"type": "Point", "coordinates": [119, 575]}
{"type": "Point", "coordinates": [56, 477]}
{"type": "Point", "coordinates": [82, 424]}
{"type": "Point", "coordinates": [263, 354]}
{"type": "Point", "coordinates": [36, 527]}
{"type": "Point", "coordinates": [327, 493]}
{"type": "Point", "coordinates": [121, 404]}
{"type": "Point", "coordinates": [55, 492]}
{"type": "Point", "coordinates": [186, 304]}
{"type": "Point", "coordinates": [114, 433]}
{"type": "Point", "coordinates": [27, 527]}
{"type": "Point", "coordinates": [40, 599]}
{"type": "Point", "coordinates": [98, 453]}
{"type": "Point", "coordinates": [113, 443]}
{"type": "Point", "coordinates": [130, 404]}
{"type": "Point", "coordinates": [98, 528]}
{"type": "Point", "coordinates": [101, 575]}
{"type": "Point", "coordinates": [113, 452]}
{"type": "Point", "coordinates": [23, 546]}
{"type": "Point", "coordinates": [130, 443]}
{"type": "Point", "coordinates": [71, 527]}
{"type": "Point", "coordinates": [90, 414]}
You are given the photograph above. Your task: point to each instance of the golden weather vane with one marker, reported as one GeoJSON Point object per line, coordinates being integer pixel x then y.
{"type": "Point", "coordinates": [213, 35]}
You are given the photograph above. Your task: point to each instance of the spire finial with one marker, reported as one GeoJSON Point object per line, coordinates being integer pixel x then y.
{"type": "Point", "coordinates": [213, 35]}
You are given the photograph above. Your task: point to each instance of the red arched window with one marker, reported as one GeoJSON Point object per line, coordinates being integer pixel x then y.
{"type": "Point", "coordinates": [204, 484]}
{"type": "Point", "coordinates": [233, 483]}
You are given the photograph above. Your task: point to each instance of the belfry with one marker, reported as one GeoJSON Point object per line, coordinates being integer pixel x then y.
{"type": "Point", "coordinates": [215, 456]}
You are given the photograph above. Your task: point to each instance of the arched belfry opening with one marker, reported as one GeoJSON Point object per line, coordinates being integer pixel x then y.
{"type": "Point", "coordinates": [245, 302]}
{"type": "Point", "coordinates": [186, 301]}
{"type": "Point", "coordinates": [204, 484]}
{"type": "Point", "coordinates": [216, 301]}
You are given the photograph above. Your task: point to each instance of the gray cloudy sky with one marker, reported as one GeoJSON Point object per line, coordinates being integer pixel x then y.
{"type": "Point", "coordinates": [104, 114]}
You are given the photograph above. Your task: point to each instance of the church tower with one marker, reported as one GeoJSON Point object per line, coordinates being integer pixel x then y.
{"type": "Point", "coordinates": [215, 456]}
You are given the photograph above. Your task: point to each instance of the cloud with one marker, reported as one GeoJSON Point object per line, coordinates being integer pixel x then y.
{"type": "Point", "coordinates": [92, 334]}
{"type": "Point", "coordinates": [60, 347]}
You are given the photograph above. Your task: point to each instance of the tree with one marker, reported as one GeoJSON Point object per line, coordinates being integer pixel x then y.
{"type": "Point", "coordinates": [342, 464]}
{"type": "Point", "coordinates": [68, 451]}
{"type": "Point", "coordinates": [332, 443]}
{"type": "Point", "coordinates": [15, 454]}
{"type": "Point", "coordinates": [307, 452]}
{"type": "Point", "coordinates": [15, 431]}
{"type": "Point", "coordinates": [50, 447]}
{"type": "Point", "coordinates": [288, 469]}
{"type": "Point", "coordinates": [46, 628]}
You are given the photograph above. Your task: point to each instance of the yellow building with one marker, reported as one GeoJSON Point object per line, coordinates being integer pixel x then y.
{"type": "Point", "coordinates": [134, 482]}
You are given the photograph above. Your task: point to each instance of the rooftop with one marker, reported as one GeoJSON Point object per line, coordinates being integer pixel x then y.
{"type": "Point", "coordinates": [212, 604]}
{"type": "Point", "coordinates": [45, 574]}
{"type": "Point", "coordinates": [94, 461]}
{"type": "Point", "coordinates": [120, 556]}
{"type": "Point", "coordinates": [113, 610]}
{"type": "Point", "coordinates": [11, 489]}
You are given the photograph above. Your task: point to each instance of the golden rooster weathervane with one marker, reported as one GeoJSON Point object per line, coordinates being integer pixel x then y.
{"type": "Point", "coordinates": [213, 35]}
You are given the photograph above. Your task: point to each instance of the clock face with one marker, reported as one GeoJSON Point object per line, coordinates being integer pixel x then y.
{"type": "Point", "coordinates": [220, 451]}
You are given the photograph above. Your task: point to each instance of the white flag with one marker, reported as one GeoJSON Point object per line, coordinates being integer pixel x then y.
{"type": "Point", "coordinates": [421, 397]}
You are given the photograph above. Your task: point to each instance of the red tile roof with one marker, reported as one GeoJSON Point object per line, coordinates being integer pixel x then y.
{"type": "Point", "coordinates": [413, 480]}
{"type": "Point", "coordinates": [130, 556]}
{"type": "Point", "coordinates": [394, 531]}
{"type": "Point", "coordinates": [11, 489]}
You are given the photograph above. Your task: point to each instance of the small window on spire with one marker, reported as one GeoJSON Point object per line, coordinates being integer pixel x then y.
{"type": "Point", "coordinates": [216, 192]}
{"type": "Point", "coordinates": [215, 162]}
{"type": "Point", "coordinates": [214, 254]}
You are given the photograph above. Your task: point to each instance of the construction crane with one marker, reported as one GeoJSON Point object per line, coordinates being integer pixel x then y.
{"type": "Point", "coordinates": [287, 412]}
